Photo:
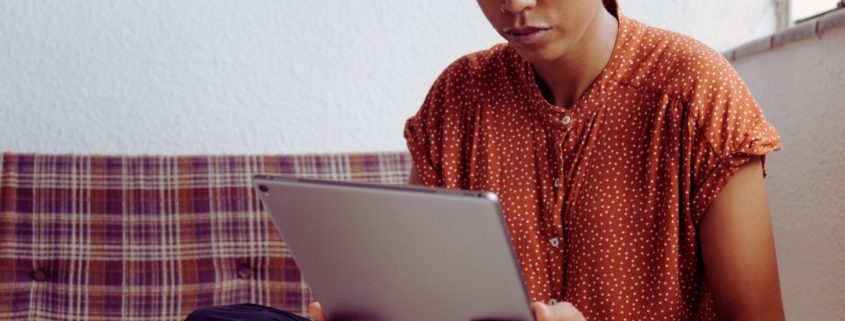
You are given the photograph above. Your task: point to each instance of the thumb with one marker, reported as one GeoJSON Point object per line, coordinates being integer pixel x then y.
{"type": "Point", "coordinates": [541, 311]}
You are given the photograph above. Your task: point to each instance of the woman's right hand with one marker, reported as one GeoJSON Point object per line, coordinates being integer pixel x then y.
{"type": "Point", "coordinates": [562, 311]}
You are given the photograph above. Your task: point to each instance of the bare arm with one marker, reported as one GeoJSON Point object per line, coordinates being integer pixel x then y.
{"type": "Point", "coordinates": [738, 249]}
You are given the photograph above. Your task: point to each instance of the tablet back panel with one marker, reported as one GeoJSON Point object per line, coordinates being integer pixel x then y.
{"type": "Point", "coordinates": [398, 252]}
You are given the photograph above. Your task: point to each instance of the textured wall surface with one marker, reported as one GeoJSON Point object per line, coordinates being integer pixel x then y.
{"type": "Point", "coordinates": [801, 87]}
{"type": "Point", "coordinates": [260, 76]}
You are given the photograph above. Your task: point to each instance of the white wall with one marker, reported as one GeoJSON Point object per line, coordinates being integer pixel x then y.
{"type": "Point", "coordinates": [801, 87]}
{"type": "Point", "coordinates": [261, 76]}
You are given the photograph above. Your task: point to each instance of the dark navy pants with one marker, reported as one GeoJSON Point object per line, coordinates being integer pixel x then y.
{"type": "Point", "coordinates": [242, 312]}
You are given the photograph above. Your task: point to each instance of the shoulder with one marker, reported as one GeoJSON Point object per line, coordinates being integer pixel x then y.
{"type": "Point", "coordinates": [461, 83]}
{"type": "Point", "coordinates": [478, 67]}
{"type": "Point", "coordinates": [674, 64]}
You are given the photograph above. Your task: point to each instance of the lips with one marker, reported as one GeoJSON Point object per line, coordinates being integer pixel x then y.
{"type": "Point", "coordinates": [525, 35]}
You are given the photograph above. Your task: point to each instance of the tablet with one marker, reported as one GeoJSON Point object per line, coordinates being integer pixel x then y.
{"type": "Point", "coordinates": [396, 252]}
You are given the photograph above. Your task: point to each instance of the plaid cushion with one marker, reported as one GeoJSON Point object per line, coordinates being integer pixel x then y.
{"type": "Point", "coordinates": [152, 238]}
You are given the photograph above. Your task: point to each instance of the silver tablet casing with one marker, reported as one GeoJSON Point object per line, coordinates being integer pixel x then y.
{"type": "Point", "coordinates": [397, 252]}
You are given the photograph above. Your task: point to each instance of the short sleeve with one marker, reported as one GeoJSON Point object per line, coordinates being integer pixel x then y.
{"type": "Point", "coordinates": [423, 131]}
{"type": "Point", "coordinates": [729, 129]}
{"type": "Point", "coordinates": [420, 137]}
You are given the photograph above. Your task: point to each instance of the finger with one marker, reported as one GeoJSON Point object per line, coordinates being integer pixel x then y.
{"type": "Point", "coordinates": [541, 311]}
{"type": "Point", "coordinates": [565, 311]}
{"type": "Point", "coordinates": [316, 311]}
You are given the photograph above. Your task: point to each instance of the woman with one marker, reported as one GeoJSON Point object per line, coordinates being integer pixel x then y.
{"type": "Point", "coordinates": [629, 161]}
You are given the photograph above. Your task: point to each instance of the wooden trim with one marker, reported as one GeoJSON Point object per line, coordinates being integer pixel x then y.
{"type": "Point", "coordinates": [807, 29]}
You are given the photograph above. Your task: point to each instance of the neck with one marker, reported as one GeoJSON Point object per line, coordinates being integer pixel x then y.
{"type": "Point", "coordinates": [565, 79]}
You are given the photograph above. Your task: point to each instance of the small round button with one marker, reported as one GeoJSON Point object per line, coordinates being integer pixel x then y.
{"type": "Point", "coordinates": [566, 120]}
{"type": "Point", "coordinates": [555, 242]}
{"type": "Point", "coordinates": [244, 272]}
{"type": "Point", "coordinates": [557, 182]}
{"type": "Point", "coordinates": [39, 275]}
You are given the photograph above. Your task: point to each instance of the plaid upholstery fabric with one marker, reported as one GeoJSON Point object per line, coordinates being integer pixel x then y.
{"type": "Point", "coordinates": [152, 238]}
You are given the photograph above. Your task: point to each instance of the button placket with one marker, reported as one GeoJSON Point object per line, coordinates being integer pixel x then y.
{"type": "Point", "coordinates": [567, 128]}
{"type": "Point", "coordinates": [564, 122]}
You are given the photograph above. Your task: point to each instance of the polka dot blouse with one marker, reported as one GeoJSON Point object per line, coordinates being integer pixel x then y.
{"type": "Point", "coordinates": [602, 199]}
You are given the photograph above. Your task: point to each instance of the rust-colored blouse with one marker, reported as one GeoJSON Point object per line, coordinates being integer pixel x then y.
{"type": "Point", "coordinates": [602, 199]}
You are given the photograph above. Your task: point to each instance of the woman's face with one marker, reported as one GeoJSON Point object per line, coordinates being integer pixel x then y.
{"type": "Point", "coordinates": [542, 30]}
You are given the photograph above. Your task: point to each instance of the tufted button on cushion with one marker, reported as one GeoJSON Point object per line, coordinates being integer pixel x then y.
{"type": "Point", "coordinates": [244, 272]}
{"type": "Point", "coordinates": [39, 275]}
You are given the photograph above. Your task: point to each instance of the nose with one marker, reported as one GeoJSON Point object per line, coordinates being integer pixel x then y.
{"type": "Point", "coordinates": [517, 6]}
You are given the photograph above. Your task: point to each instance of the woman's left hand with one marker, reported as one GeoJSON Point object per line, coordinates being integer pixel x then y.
{"type": "Point", "coordinates": [561, 311]}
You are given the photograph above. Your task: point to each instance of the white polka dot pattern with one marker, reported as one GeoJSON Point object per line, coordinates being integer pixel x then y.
{"type": "Point", "coordinates": [602, 199]}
